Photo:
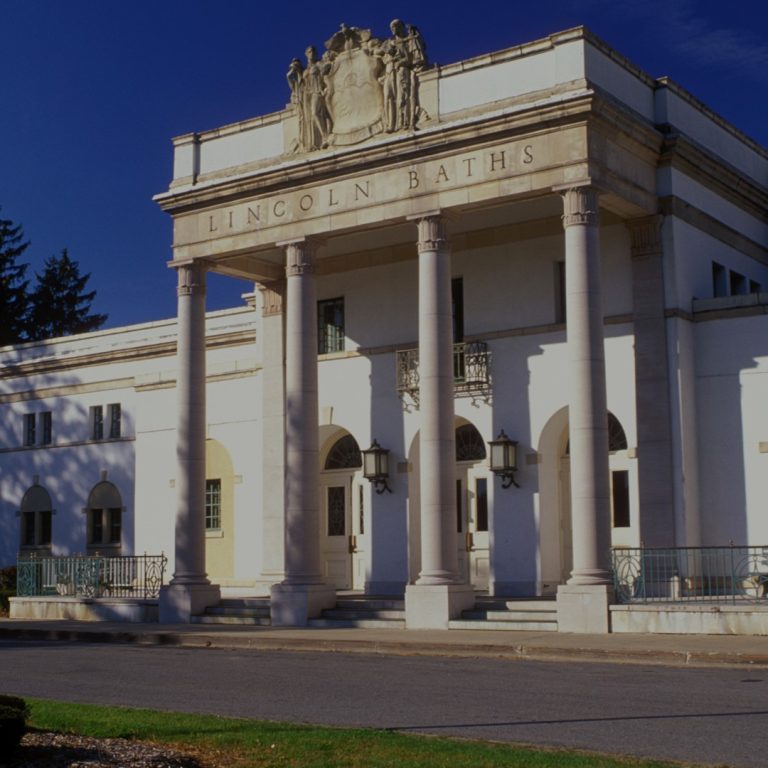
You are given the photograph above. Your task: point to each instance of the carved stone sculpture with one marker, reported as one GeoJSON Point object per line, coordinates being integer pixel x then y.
{"type": "Point", "coordinates": [361, 87]}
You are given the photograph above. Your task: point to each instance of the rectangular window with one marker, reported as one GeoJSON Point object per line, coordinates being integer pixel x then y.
{"type": "Point", "coordinates": [754, 286]}
{"type": "Point", "coordinates": [97, 422]}
{"type": "Point", "coordinates": [719, 280]}
{"type": "Point", "coordinates": [481, 504]}
{"type": "Point", "coordinates": [457, 309]}
{"type": "Point", "coordinates": [330, 326]}
{"type": "Point", "coordinates": [213, 505]}
{"type": "Point", "coordinates": [559, 291]}
{"type": "Point", "coordinates": [46, 428]}
{"type": "Point", "coordinates": [30, 430]}
{"type": "Point", "coordinates": [114, 412]}
{"type": "Point", "coordinates": [115, 525]}
{"type": "Point", "coordinates": [738, 284]}
{"type": "Point", "coordinates": [459, 507]}
{"type": "Point", "coordinates": [620, 492]}
{"type": "Point", "coordinates": [361, 497]}
{"type": "Point", "coordinates": [337, 511]}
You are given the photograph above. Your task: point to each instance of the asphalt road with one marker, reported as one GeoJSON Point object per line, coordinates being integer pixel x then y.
{"type": "Point", "coordinates": [707, 716]}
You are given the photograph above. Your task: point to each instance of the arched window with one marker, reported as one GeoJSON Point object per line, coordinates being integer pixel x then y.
{"type": "Point", "coordinates": [36, 514]}
{"type": "Point", "coordinates": [470, 445]}
{"type": "Point", "coordinates": [345, 454]}
{"type": "Point", "coordinates": [105, 516]}
{"type": "Point", "coordinates": [617, 439]}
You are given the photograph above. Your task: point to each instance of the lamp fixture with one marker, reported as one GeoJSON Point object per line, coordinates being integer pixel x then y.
{"type": "Point", "coordinates": [376, 467]}
{"type": "Point", "coordinates": [504, 459]}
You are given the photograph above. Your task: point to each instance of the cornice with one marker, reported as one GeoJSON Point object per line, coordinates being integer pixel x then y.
{"type": "Point", "coordinates": [128, 354]}
{"type": "Point", "coordinates": [441, 139]}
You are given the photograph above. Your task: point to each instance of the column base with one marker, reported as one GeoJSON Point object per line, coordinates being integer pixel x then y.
{"type": "Point", "coordinates": [292, 605]}
{"type": "Point", "coordinates": [433, 606]}
{"type": "Point", "coordinates": [584, 608]}
{"type": "Point", "coordinates": [179, 602]}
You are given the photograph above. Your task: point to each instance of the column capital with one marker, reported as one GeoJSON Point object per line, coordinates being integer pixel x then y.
{"type": "Point", "coordinates": [272, 297]}
{"type": "Point", "coordinates": [191, 278]}
{"type": "Point", "coordinates": [580, 205]}
{"type": "Point", "coordinates": [299, 257]}
{"type": "Point", "coordinates": [433, 231]}
{"type": "Point", "coordinates": [645, 235]}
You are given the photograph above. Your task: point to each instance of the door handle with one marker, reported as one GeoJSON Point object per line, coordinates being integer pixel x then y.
{"type": "Point", "coordinates": [352, 544]}
{"type": "Point", "coordinates": [469, 541]}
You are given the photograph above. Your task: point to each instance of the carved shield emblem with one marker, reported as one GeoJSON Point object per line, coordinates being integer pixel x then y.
{"type": "Point", "coordinates": [354, 97]}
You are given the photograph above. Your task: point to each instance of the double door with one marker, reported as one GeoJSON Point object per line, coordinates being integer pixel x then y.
{"type": "Point", "coordinates": [472, 525]}
{"type": "Point", "coordinates": [343, 537]}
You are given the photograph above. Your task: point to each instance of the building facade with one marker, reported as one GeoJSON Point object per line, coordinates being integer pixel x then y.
{"type": "Point", "coordinates": [543, 242]}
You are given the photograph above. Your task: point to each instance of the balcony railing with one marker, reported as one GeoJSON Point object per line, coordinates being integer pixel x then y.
{"type": "Point", "coordinates": [138, 576]}
{"type": "Point", "coordinates": [471, 370]}
{"type": "Point", "coordinates": [691, 574]}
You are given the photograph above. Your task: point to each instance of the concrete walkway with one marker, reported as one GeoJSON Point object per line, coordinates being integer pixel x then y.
{"type": "Point", "coordinates": [676, 650]}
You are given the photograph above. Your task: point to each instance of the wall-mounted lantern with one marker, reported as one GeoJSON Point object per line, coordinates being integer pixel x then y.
{"type": "Point", "coordinates": [504, 459]}
{"type": "Point", "coordinates": [376, 467]}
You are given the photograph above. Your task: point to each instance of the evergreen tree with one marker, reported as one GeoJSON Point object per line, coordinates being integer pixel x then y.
{"type": "Point", "coordinates": [13, 286]}
{"type": "Point", "coordinates": [58, 306]}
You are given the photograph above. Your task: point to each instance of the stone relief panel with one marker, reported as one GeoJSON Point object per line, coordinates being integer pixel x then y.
{"type": "Point", "coordinates": [361, 86]}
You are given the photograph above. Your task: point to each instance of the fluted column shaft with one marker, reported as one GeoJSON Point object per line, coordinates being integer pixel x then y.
{"type": "Point", "coordinates": [302, 510]}
{"type": "Point", "coordinates": [588, 413]}
{"type": "Point", "coordinates": [437, 438]}
{"type": "Point", "coordinates": [191, 427]}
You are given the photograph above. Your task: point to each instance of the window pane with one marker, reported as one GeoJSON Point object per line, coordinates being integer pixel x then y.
{"type": "Point", "coordinates": [97, 422]}
{"type": "Point", "coordinates": [29, 429]}
{"type": "Point", "coordinates": [28, 535]}
{"type": "Point", "coordinates": [481, 504]}
{"type": "Point", "coordinates": [337, 513]}
{"type": "Point", "coordinates": [47, 427]}
{"type": "Point", "coordinates": [114, 420]}
{"type": "Point", "coordinates": [45, 527]}
{"type": "Point", "coordinates": [212, 505]}
{"type": "Point", "coordinates": [97, 526]}
{"type": "Point", "coordinates": [620, 498]}
{"type": "Point", "coordinates": [115, 525]}
{"type": "Point", "coordinates": [459, 507]}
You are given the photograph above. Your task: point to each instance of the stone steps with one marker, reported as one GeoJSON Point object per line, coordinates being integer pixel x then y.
{"type": "Point", "coordinates": [528, 615]}
{"type": "Point", "coordinates": [253, 611]}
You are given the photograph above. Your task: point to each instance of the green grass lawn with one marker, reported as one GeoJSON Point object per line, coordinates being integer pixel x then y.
{"type": "Point", "coordinates": [219, 741]}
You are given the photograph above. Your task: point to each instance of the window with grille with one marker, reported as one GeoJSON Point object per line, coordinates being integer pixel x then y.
{"type": "Point", "coordinates": [213, 505]}
{"type": "Point", "coordinates": [330, 326]}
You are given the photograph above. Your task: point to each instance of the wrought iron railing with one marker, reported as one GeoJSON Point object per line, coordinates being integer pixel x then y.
{"type": "Point", "coordinates": [139, 576]}
{"type": "Point", "coordinates": [471, 370]}
{"type": "Point", "coordinates": [690, 574]}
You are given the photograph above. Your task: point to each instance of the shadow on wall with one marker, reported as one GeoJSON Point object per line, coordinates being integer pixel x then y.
{"type": "Point", "coordinates": [46, 440]}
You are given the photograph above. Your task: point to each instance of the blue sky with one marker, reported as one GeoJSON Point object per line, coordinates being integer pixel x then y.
{"type": "Point", "coordinates": [94, 90]}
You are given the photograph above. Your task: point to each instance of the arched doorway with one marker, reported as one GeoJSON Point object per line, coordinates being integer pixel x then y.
{"type": "Point", "coordinates": [343, 538]}
{"type": "Point", "coordinates": [105, 517]}
{"type": "Point", "coordinates": [36, 519]}
{"type": "Point", "coordinates": [556, 533]}
{"type": "Point", "coordinates": [472, 509]}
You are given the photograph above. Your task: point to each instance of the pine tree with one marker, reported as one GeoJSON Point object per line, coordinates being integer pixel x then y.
{"type": "Point", "coordinates": [13, 286]}
{"type": "Point", "coordinates": [58, 306]}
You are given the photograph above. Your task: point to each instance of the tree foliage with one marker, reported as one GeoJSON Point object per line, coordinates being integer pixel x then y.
{"type": "Point", "coordinates": [59, 304]}
{"type": "Point", "coordinates": [13, 286]}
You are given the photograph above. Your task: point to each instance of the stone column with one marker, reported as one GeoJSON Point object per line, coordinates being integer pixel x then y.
{"type": "Point", "coordinates": [583, 602]}
{"type": "Point", "coordinates": [438, 594]}
{"type": "Point", "coordinates": [302, 594]}
{"type": "Point", "coordinates": [654, 434]}
{"type": "Point", "coordinates": [273, 433]}
{"type": "Point", "coordinates": [190, 591]}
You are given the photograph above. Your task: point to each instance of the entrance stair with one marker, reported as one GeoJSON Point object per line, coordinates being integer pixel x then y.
{"type": "Point", "coordinates": [363, 611]}
{"type": "Point", "coordinates": [511, 614]}
{"type": "Point", "coordinates": [382, 612]}
{"type": "Point", "coordinates": [253, 611]}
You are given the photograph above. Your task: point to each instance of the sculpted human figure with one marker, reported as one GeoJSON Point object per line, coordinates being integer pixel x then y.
{"type": "Point", "coordinates": [316, 118]}
{"type": "Point", "coordinates": [397, 79]}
